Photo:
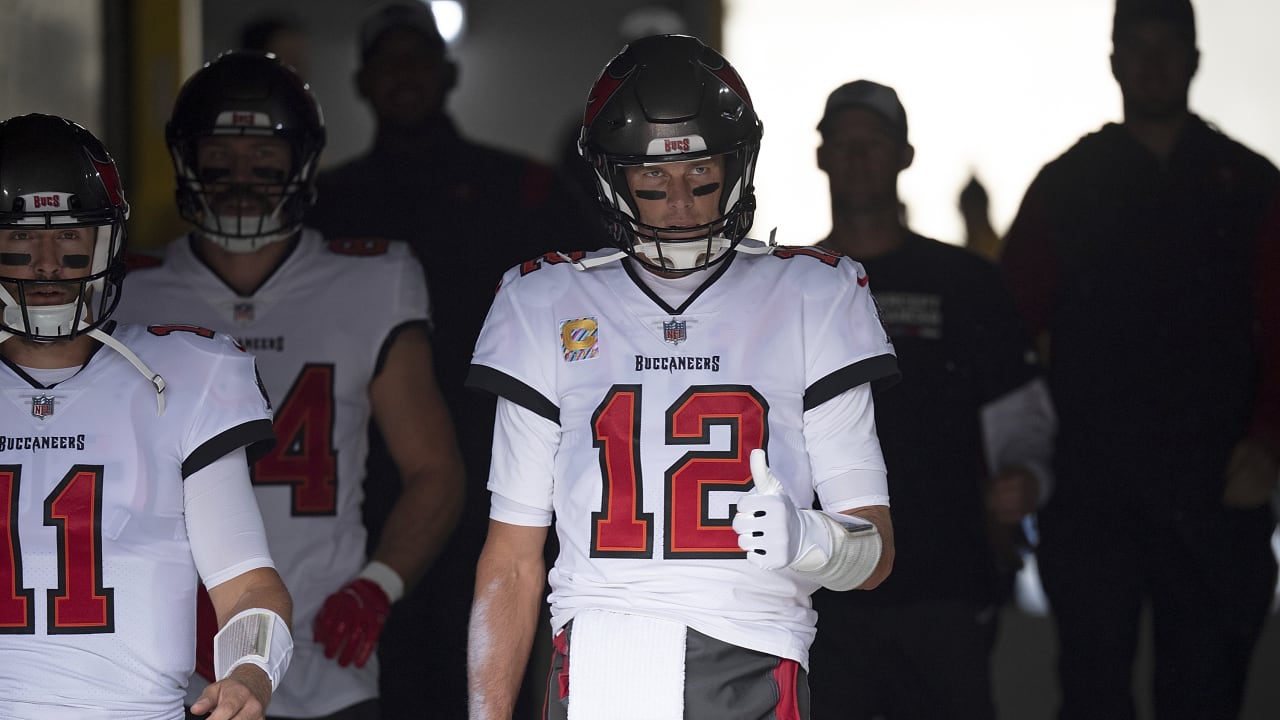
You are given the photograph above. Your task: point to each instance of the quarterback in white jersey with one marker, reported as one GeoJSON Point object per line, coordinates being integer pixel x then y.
{"type": "Point", "coordinates": [339, 330]}
{"type": "Point", "coordinates": [677, 405]}
{"type": "Point", "coordinates": [123, 479]}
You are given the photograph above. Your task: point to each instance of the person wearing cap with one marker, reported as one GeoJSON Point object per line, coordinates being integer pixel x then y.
{"type": "Point", "coordinates": [1143, 259]}
{"type": "Point", "coordinates": [967, 437]}
{"type": "Point", "coordinates": [469, 212]}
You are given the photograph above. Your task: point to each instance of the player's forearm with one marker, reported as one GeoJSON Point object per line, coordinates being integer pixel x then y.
{"type": "Point", "coordinates": [504, 617]}
{"type": "Point", "coordinates": [421, 521]}
{"type": "Point", "coordinates": [260, 588]}
{"type": "Point", "coordinates": [257, 588]}
{"type": "Point", "coordinates": [878, 515]}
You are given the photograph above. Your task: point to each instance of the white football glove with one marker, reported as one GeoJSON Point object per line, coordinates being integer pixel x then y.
{"type": "Point", "coordinates": [837, 551]}
{"type": "Point", "coordinates": [772, 530]}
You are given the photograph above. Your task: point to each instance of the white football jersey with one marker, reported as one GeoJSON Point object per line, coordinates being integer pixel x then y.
{"type": "Point", "coordinates": [317, 327]}
{"type": "Point", "coordinates": [659, 408]}
{"type": "Point", "coordinates": [97, 580]}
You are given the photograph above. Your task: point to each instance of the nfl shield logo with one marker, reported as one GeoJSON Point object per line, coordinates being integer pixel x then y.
{"type": "Point", "coordinates": [244, 312]}
{"type": "Point", "coordinates": [42, 406]}
{"type": "Point", "coordinates": [673, 331]}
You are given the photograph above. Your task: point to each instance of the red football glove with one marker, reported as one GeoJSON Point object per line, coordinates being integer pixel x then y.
{"type": "Point", "coordinates": [351, 621]}
{"type": "Point", "coordinates": [206, 628]}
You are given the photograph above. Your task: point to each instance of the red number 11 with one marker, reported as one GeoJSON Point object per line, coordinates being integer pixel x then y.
{"type": "Point", "coordinates": [80, 604]}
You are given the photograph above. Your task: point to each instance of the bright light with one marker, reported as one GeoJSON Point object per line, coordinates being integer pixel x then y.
{"type": "Point", "coordinates": [993, 87]}
{"type": "Point", "coordinates": [451, 19]}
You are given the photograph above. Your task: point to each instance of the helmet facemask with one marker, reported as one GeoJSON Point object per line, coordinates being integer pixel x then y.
{"type": "Point", "coordinates": [94, 297]}
{"type": "Point", "coordinates": [699, 246]}
{"type": "Point", "coordinates": [270, 206]}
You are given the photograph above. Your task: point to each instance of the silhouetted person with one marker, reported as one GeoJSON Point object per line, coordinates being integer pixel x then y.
{"type": "Point", "coordinates": [966, 435]}
{"type": "Point", "coordinates": [1136, 255]}
{"type": "Point", "coordinates": [469, 212]}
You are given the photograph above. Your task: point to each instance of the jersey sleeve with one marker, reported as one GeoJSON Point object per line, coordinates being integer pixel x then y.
{"type": "Point", "coordinates": [511, 358]}
{"type": "Point", "coordinates": [523, 465]}
{"type": "Point", "coordinates": [223, 520]}
{"type": "Point", "coordinates": [844, 450]}
{"type": "Point", "coordinates": [407, 301]}
{"type": "Point", "coordinates": [845, 343]}
{"type": "Point", "coordinates": [231, 411]}
{"type": "Point", "coordinates": [408, 284]}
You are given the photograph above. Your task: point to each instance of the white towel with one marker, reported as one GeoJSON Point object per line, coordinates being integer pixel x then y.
{"type": "Point", "coordinates": [625, 667]}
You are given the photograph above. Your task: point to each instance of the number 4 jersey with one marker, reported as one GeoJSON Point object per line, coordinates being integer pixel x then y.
{"type": "Point", "coordinates": [97, 579]}
{"type": "Point", "coordinates": [318, 326]}
{"type": "Point", "coordinates": [659, 408]}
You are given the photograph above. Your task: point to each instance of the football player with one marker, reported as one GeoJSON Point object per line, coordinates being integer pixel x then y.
{"type": "Point", "coordinates": [676, 404]}
{"type": "Point", "coordinates": [340, 334]}
{"type": "Point", "coordinates": [123, 470]}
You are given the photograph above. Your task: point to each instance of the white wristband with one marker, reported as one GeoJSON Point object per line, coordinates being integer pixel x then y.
{"type": "Point", "coordinates": [384, 577]}
{"type": "Point", "coordinates": [854, 550]}
{"type": "Point", "coordinates": [256, 636]}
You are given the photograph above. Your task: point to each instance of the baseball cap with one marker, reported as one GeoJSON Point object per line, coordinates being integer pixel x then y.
{"type": "Point", "coordinates": [867, 95]}
{"type": "Point", "coordinates": [413, 15]}
{"type": "Point", "coordinates": [1175, 12]}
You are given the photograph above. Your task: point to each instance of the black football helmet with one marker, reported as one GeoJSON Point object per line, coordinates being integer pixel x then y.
{"type": "Point", "coordinates": [246, 93]}
{"type": "Point", "coordinates": [54, 174]}
{"type": "Point", "coordinates": [669, 98]}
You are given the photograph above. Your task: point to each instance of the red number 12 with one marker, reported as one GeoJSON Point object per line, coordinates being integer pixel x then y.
{"type": "Point", "coordinates": [621, 528]}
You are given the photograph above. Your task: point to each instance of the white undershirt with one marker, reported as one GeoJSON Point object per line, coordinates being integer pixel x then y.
{"type": "Point", "coordinates": [673, 290]}
{"type": "Point", "coordinates": [49, 377]}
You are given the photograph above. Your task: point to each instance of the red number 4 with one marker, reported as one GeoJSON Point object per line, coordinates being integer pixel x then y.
{"type": "Point", "coordinates": [80, 604]}
{"type": "Point", "coordinates": [621, 529]}
{"type": "Point", "coordinates": [303, 456]}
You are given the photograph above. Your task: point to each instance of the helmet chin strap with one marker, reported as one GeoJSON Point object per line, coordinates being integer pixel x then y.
{"type": "Point", "coordinates": [45, 319]}
{"type": "Point", "coordinates": [156, 381]}
{"type": "Point", "coordinates": [687, 255]}
{"type": "Point", "coordinates": [244, 245]}
{"type": "Point", "coordinates": [747, 246]}
{"type": "Point", "coordinates": [60, 317]}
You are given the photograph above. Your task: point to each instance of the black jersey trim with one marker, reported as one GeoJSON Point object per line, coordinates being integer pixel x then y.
{"type": "Point", "coordinates": [881, 371]}
{"type": "Point", "coordinates": [720, 269]}
{"type": "Point", "coordinates": [483, 377]}
{"type": "Point", "coordinates": [255, 436]}
{"type": "Point", "coordinates": [391, 338]}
